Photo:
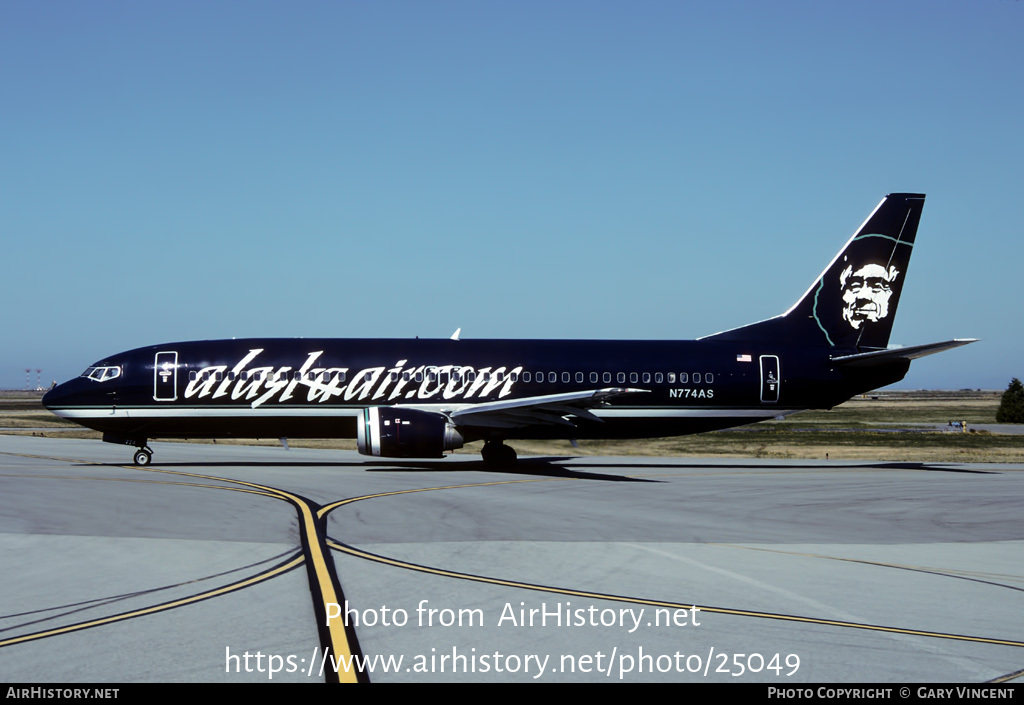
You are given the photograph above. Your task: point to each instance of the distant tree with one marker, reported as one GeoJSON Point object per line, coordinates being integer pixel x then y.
{"type": "Point", "coordinates": [1011, 408]}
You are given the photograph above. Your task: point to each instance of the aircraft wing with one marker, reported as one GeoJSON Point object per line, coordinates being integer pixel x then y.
{"type": "Point", "coordinates": [529, 411]}
{"type": "Point", "coordinates": [881, 357]}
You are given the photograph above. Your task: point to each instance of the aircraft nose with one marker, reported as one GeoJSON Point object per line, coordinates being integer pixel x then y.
{"type": "Point", "coordinates": [53, 397]}
{"type": "Point", "coordinates": [62, 395]}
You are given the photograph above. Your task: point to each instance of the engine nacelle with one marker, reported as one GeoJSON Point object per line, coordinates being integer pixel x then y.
{"type": "Point", "coordinates": [394, 432]}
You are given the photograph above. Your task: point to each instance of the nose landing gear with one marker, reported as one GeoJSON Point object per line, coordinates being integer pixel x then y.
{"type": "Point", "coordinates": [143, 456]}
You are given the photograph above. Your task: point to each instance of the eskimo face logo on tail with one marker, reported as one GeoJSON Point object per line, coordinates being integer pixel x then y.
{"type": "Point", "coordinates": [866, 293]}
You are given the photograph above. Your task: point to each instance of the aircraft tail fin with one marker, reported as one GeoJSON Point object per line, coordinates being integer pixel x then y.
{"type": "Point", "coordinates": [851, 305]}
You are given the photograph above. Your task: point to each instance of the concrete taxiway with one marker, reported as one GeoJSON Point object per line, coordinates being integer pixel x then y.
{"type": "Point", "coordinates": [222, 563]}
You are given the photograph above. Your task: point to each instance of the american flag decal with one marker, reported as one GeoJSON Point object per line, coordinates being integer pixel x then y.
{"type": "Point", "coordinates": [743, 358]}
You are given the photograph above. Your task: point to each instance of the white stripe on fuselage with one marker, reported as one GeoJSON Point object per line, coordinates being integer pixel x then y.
{"type": "Point", "coordinates": [147, 412]}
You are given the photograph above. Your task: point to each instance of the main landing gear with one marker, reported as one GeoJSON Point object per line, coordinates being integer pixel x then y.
{"type": "Point", "coordinates": [143, 456]}
{"type": "Point", "coordinates": [496, 454]}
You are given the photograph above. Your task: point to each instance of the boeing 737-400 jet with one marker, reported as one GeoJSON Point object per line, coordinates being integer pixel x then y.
{"type": "Point", "coordinates": [420, 398]}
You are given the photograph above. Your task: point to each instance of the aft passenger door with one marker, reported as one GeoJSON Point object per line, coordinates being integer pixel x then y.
{"type": "Point", "coordinates": [770, 379]}
{"type": "Point", "coordinates": [165, 376]}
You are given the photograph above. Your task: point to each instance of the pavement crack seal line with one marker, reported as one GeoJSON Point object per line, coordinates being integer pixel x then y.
{"type": "Point", "coordinates": [960, 575]}
{"type": "Point", "coordinates": [971, 576]}
{"type": "Point", "coordinates": [61, 611]}
{"type": "Point", "coordinates": [352, 551]}
{"type": "Point", "coordinates": [323, 579]}
{"type": "Point", "coordinates": [295, 561]}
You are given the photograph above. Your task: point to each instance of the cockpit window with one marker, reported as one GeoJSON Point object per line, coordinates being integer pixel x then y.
{"type": "Point", "coordinates": [102, 374]}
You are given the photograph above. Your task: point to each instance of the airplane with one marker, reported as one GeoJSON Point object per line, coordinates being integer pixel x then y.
{"type": "Point", "coordinates": [421, 398]}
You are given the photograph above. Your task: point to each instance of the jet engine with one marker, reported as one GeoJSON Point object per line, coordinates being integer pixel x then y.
{"type": "Point", "coordinates": [394, 432]}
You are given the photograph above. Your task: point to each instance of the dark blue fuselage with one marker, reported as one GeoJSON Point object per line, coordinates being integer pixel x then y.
{"type": "Point", "coordinates": [316, 387]}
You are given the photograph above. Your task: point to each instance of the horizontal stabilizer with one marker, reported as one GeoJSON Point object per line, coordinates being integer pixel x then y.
{"type": "Point", "coordinates": [882, 357]}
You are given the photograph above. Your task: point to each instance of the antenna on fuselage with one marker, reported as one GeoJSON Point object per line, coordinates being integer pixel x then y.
{"type": "Point", "coordinates": [455, 335]}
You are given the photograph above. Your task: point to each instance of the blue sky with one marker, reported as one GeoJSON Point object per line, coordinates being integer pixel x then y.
{"type": "Point", "coordinates": [186, 170]}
